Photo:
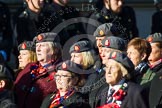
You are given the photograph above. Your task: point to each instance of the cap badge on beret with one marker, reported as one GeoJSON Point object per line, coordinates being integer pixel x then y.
{"type": "Point", "coordinates": [107, 43]}
{"type": "Point", "coordinates": [76, 48]}
{"type": "Point", "coordinates": [114, 54]}
{"type": "Point", "coordinates": [64, 66]}
{"type": "Point", "coordinates": [150, 39]}
{"type": "Point", "coordinates": [40, 37]}
{"type": "Point", "coordinates": [23, 46]}
{"type": "Point", "coordinates": [101, 32]}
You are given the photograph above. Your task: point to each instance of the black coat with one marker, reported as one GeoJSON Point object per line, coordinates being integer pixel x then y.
{"type": "Point", "coordinates": [156, 22]}
{"type": "Point", "coordinates": [74, 101]}
{"type": "Point", "coordinates": [155, 96]}
{"type": "Point", "coordinates": [7, 99]}
{"type": "Point", "coordinates": [62, 15]}
{"type": "Point", "coordinates": [125, 21]}
{"type": "Point", "coordinates": [133, 98]}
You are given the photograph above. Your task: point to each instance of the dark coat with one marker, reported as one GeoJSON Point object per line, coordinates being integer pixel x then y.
{"type": "Point", "coordinates": [74, 101]}
{"type": "Point", "coordinates": [59, 15]}
{"type": "Point", "coordinates": [27, 25]}
{"type": "Point", "coordinates": [125, 21]}
{"type": "Point", "coordinates": [155, 96]}
{"type": "Point", "coordinates": [156, 22]}
{"type": "Point", "coordinates": [29, 91]}
{"type": "Point", "coordinates": [7, 99]}
{"type": "Point", "coordinates": [133, 99]}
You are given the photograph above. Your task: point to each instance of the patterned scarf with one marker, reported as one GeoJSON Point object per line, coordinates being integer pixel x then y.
{"type": "Point", "coordinates": [59, 99]}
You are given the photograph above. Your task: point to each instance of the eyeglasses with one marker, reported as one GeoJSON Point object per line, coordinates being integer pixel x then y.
{"type": "Point", "coordinates": [63, 76]}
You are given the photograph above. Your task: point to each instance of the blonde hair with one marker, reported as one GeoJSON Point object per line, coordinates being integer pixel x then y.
{"type": "Point", "coordinates": [88, 59]}
{"type": "Point", "coordinates": [124, 71]}
{"type": "Point", "coordinates": [56, 48]}
{"type": "Point", "coordinates": [33, 56]}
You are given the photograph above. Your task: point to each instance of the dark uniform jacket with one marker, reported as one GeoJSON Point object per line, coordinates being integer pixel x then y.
{"type": "Point", "coordinates": [27, 25]}
{"type": "Point", "coordinates": [156, 22]}
{"type": "Point", "coordinates": [7, 99]}
{"type": "Point", "coordinates": [155, 96]}
{"type": "Point", "coordinates": [133, 98]}
{"type": "Point", "coordinates": [62, 15]}
{"type": "Point", "coordinates": [125, 21]}
{"type": "Point", "coordinates": [76, 100]}
{"type": "Point", "coordinates": [30, 91]}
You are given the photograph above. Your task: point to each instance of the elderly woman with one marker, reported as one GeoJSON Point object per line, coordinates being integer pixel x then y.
{"type": "Point", "coordinates": [118, 92]}
{"type": "Point", "coordinates": [155, 60]}
{"type": "Point", "coordinates": [138, 51]}
{"type": "Point", "coordinates": [67, 80]}
{"type": "Point", "coordinates": [27, 54]}
{"type": "Point", "coordinates": [35, 81]}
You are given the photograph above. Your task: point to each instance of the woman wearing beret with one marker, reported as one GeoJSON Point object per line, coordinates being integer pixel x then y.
{"type": "Point", "coordinates": [68, 81]}
{"type": "Point", "coordinates": [27, 55]}
{"type": "Point", "coordinates": [118, 92]}
{"type": "Point", "coordinates": [35, 81]}
{"type": "Point", "coordinates": [82, 53]}
{"type": "Point", "coordinates": [155, 60]}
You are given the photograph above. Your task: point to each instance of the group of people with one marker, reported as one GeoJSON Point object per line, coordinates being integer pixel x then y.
{"type": "Point", "coordinates": [115, 69]}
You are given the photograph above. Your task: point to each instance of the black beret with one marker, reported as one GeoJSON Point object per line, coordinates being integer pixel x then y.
{"type": "Point", "coordinates": [123, 59]}
{"type": "Point", "coordinates": [103, 30]}
{"type": "Point", "coordinates": [27, 45]}
{"type": "Point", "coordinates": [80, 46]}
{"type": "Point", "coordinates": [114, 42]}
{"type": "Point", "coordinates": [156, 37]}
{"type": "Point", "coordinates": [70, 66]}
{"type": "Point", "coordinates": [47, 37]}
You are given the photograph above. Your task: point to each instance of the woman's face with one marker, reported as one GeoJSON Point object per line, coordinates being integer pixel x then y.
{"type": "Point", "coordinates": [64, 80]}
{"type": "Point", "coordinates": [113, 72]}
{"type": "Point", "coordinates": [24, 58]}
{"type": "Point", "coordinates": [155, 54]}
{"type": "Point", "coordinates": [77, 58]}
{"type": "Point", "coordinates": [134, 55]}
{"type": "Point", "coordinates": [44, 52]}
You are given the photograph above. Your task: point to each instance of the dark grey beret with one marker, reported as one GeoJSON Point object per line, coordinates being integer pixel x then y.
{"type": "Point", "coordinates": [27, 45]}
{"type": "Point", "coordinates": [70, 66]}
{"type": "Point", "coordinates": [123, 59]}
{"type": "Point", "coordinates": [114, 42]}
{"type": "Point", "coordinates": [47, 37]}
{"type": "Point", "coordinates": [103, 30]}
{"type": "Point", "coordinates": [156, 37]}
{"type": "Point", "coordinates": [80, 46]}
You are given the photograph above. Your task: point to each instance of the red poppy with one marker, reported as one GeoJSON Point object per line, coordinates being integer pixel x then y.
{"type": "Point", "coordinates": [111, 105]}
{"type": "Point", "coordinates": [119, 95]}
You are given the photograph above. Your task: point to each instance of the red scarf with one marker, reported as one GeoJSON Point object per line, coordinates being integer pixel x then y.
{"type": "Point", "coordinates": [58, 99]}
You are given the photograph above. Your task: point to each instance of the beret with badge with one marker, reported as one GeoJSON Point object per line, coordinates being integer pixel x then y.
{"type": "Point", "coordinates": [27, 45]}
{"type": "Point", "coordinates": [156, 37]}
{"type": "Point", "coordinates": [80, 46]}
{"type": "Point", "coordinates": [123, 59]}
{"type": "Point", "coordinates": [47, 37]}
{"type": "Point", "coordinates": [114, 42]}
{"type": "Point", "coordinates": [70, 66]}
{"type": "Point", "coordinates": [103, 30]}
{"type": "Point", "coordinates": [108, 29]}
